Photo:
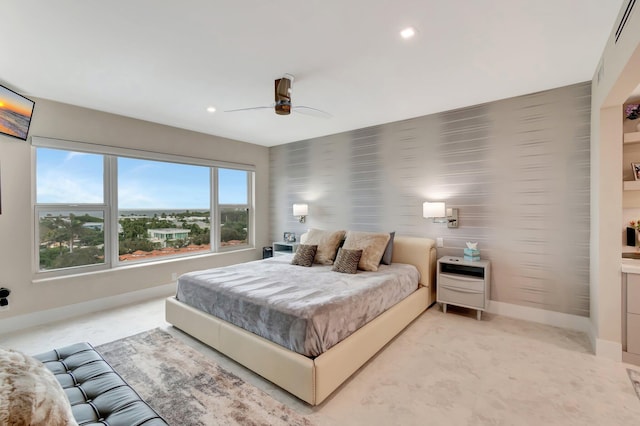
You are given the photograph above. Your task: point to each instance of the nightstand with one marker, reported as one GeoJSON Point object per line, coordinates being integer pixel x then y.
{"type": "Point", "coordinates": [281, 247]}
{"type": "Point", "coordinates": [463, 283]}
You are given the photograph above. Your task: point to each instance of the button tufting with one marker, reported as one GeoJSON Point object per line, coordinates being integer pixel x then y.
{"type": "Point", "coordinates": [132, 405]}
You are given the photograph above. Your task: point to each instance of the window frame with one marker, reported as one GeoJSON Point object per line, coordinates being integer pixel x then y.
{"type": "Point", "coordinates": [110, 208]}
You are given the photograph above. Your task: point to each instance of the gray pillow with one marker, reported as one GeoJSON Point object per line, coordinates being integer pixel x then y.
{"type": "Point", "coordinates": [347, 261]}
{"type": "Point", "coordinates": [304, 255]}
{"type": "Point", "coordinates": [388, 252]}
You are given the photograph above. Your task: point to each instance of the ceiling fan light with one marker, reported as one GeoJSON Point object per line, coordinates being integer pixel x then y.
{"type": "Point", "coordinates": [283, 108]}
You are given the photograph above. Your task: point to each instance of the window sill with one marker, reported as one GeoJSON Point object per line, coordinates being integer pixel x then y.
{"type": "Point", "coordinates": [47, 277]}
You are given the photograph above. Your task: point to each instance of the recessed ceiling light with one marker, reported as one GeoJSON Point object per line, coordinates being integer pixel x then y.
{"type": "Point", "coordinates": [211, 109]}
{"type": "Point", "coordinates": [408, 32]}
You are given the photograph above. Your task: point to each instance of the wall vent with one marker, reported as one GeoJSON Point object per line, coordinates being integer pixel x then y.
{"type": "Point", "coordinates": [625, 17]}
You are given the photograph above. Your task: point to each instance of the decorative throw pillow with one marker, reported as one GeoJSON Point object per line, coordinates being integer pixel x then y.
{"type": "Point", "coordinates": [304, 255]}
{"type": "Point", "coordinates": [327, 242]}
{"type": "Point", "coordinates": [372, 246]}
{"type": "Point", "coordinates": [388, 252]}
{"type": "Point", "coordinates": [30, 393]}
{"type": "Point", "coordinates": [347, 261]}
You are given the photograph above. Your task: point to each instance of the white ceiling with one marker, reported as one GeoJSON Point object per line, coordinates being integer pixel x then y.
{"type": "Point", "coordinates": [167, 61]}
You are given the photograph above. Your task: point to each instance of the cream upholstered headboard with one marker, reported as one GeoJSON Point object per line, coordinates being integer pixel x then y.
{"type": "Point", "coordinates": [420, 252]}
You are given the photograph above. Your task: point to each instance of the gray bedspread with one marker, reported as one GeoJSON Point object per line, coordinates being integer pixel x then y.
{"type": "Point", "coordinates": [307, 310]}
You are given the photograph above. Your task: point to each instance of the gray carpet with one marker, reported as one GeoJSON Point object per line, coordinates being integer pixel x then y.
{"type": "Point", "coordinates": [187, 388]}
{"type": "Point", "coordinates": [634, 376]}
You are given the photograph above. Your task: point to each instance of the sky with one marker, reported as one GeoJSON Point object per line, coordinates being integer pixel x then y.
{"type": "Point", "coordinates": [73, 177]}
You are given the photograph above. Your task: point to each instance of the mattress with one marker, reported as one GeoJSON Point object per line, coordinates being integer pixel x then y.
{"type": "Point", "coordinates": [307, 310]}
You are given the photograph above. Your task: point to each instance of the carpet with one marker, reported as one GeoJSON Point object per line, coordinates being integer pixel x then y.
{"type": "Point", "coordinates": [634, 376]}
{"type": "Point", "coordinates": [187, 388]}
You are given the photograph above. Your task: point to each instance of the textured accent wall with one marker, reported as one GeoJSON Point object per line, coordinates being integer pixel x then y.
{"type": "Point", "coordinates": [517, 170]}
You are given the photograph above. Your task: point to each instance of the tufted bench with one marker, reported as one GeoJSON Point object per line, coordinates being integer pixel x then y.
{"type": "Point", "coordinates": [98, 395]}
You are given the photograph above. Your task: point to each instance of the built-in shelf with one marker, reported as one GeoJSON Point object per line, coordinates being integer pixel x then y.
{"type": "Point", "coordinates": [633, 137]}
{"type": "Point", "coordinates": [632, 185]}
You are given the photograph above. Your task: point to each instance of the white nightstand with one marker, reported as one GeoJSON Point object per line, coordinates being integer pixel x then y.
{"type": "Point", "coordinates": [281, 247]}
{"type": "Point", "coordinates": [463, 283]}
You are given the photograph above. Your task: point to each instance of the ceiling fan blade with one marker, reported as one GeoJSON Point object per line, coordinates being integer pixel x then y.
{"type": "Point", "coordinates": [250, 108]}
{"type": "Point", "coordinates": [282, 104]}
{"type": "Point", "coordinates": [315, 112]}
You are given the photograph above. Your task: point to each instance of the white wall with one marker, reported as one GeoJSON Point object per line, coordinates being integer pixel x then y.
{"type": "Point", "coordinates": [61, 121]}
{"type": "Point", "coordinates": [613, 82]}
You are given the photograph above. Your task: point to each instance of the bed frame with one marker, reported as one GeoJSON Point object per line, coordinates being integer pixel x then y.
{"type": "Point", "coordinates": [314, 379]}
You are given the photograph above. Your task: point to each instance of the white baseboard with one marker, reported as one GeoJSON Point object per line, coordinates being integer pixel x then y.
{"type": "Point", "coordinates": [605, 348]}
{"type": "Point", "coordinates": [21, 322]}
{"type": "Point", "coordinates": [542, 316]}
{"type": "Point", "coordinates": [608, 349]}
{"type": "Point", "coordinates": [601, 348]}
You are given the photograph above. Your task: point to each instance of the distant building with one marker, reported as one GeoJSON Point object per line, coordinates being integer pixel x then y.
{"type": "Point", "coordinates": [167, 234]}
{"type": "Point", "coordinates": [99, 226]}
{"type": "Point", "coordinates": [96, 226]}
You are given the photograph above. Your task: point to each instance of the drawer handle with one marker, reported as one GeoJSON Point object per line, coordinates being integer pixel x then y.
{"type": "Point", "coordinates": [462, 290]}
{"type": "Point", "coordinates": [462, 278]}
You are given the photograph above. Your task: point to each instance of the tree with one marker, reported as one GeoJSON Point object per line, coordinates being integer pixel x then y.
{"type": "Point", "coordinates": [132, 245]}
{"type": "Point", "coordinates": [75, 228]}
{"type": "Point", "coordinates": [133, 229]}
{"type": "Point", "coordinates": [57, 232]}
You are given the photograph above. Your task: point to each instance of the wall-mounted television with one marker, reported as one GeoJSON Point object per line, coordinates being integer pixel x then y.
{"type": "Point", "coordinates": [15, 113]}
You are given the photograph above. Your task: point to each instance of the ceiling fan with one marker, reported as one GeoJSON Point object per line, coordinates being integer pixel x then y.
{"type": "Point", "coordinates": [282, 104]}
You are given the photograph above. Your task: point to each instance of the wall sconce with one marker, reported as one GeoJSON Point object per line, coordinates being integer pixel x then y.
{"type": "Point", "coordinates": [301, 211]}
{"type": "Point", "coordinates": [433, 210]}
{"type": "Point", "coordinates": [440, 214]}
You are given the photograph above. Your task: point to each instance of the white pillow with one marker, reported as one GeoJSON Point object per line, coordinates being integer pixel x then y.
{"type": "Point", "coordinates": [30, 393]}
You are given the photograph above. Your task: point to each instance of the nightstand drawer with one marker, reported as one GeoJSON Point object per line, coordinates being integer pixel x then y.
{"type": "Point", "coordinates": [461, 297]}
{"type": "Point", "coordinates": [461, 282]}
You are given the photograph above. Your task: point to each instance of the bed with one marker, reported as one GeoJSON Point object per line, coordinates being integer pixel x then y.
{"type": "Point", "coordinates": [312, 374]}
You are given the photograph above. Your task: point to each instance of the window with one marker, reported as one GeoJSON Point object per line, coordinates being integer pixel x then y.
{"type": "Point", "coordinates": [69, 235]}
{"type": "Point", "coordinates": [96, 210]}
{"type": "Point", "coordinates": [71, 238]}
{"type": "Point", "coordinates": [233, 203]}
{"type": "Point", "coordinates": [164, 209]}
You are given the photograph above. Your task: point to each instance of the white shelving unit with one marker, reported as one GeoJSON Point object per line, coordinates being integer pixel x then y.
{"type": "Point", "coordinates": [631, 138]}
{"type": "Point", "coordinates": [632, 185]}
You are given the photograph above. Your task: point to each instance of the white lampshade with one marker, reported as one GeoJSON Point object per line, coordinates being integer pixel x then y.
{"type": "Point", "coordinates": [300, 209]}
{"type": "Point", "coordinates": [433, 209]}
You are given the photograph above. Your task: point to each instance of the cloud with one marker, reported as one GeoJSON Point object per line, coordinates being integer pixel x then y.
{"type": "Point", "coordinates": [63, 187]}
{"type": "Point", "coordinates": [72, 154]}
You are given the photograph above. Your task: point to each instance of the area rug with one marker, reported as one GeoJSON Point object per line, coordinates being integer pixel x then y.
{"type": "Point", "coordinates": [635, 380]}
{"type": "Point", "coordinates": [187, 388]}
